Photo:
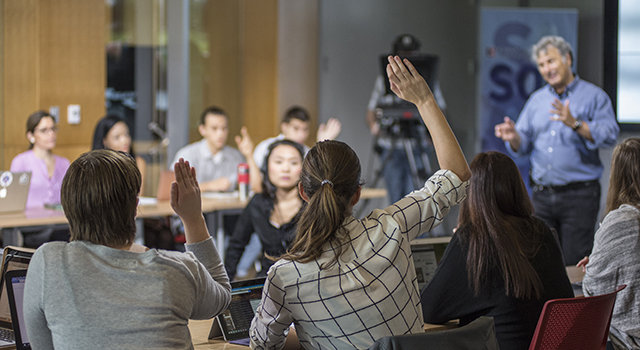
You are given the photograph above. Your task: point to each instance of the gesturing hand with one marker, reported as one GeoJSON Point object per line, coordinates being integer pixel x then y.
{"type": "Point", "coordinates": [505, 130]}
{"type": "Point", "coordinates": [562, 113]}
{"type": "Point", "coordinates": [244, 142]}
{"type": "Point", "coordinates": [406, 82]}
{"type": "Point", "coordinates": [185, 193]}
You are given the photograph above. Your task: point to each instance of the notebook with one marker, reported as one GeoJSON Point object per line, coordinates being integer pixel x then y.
{"type": "Point", "coordinates": [427, 253]}
{"type": "Point", "coordinates": [14, 188]}
{"type": "Point", "coordinates": [233, 324]}
{"type": "Point", "coordinates": [13, 258]}
{"type": "Point", "coordinates": [14, 282]}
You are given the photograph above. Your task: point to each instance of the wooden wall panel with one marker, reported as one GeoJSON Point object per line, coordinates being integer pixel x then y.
{"type": "Point", "coordinates": [216, 73]}
{"type": "Point", "coordinates": [20, 74]}
{"type": "Point", "coordinates": [54, 55]}
{"type": "Point", "coordinates": [73, 67]}
{"type": "Point", "coordinates": [260, 68]}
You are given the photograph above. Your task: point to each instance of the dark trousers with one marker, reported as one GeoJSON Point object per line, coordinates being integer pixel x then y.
{"type": "Point", "coordinates": [573, 212]}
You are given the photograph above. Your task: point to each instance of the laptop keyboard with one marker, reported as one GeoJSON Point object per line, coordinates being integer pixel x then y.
{"type": "Point", "coordinates": [6, 335]}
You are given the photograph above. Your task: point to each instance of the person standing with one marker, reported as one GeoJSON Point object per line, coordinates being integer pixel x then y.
{"type": "Point", "coordinates": [561, 128]}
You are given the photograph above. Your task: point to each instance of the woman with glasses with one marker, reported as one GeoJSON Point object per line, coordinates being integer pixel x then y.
{"type": "Point", "coordinates": [47, 171]}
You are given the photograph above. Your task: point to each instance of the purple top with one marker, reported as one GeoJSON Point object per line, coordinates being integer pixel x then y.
{"type": "Point", "coordinates": [43, 189]}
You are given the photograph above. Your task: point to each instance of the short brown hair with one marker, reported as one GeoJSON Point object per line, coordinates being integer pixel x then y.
{"type": "Point", "coordinates": [212, 110]}
{"type": "Point", "coordinates": [100, 197]}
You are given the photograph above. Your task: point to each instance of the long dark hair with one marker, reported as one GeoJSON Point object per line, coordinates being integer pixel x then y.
{"type": "Point", "coordinates": [329, 202]}
{"type": "Point", "coordinates": [496, 224]}
{"type": "Point", "coordinates": [268, 189]}
{"type": "Point", "coordinates": [624, 181]}
{"type": "Point", "coordinates": [102, 129]}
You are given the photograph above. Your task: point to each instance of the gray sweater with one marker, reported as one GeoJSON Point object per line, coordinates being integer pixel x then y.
{"type": "Point", "coordinates": [615, 260]}
{"type": "Point", "coordinates": [81, 295]}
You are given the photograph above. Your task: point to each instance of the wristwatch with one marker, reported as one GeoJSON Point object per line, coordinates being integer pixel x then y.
{"type": "Point", "coordinates": [577, 125]}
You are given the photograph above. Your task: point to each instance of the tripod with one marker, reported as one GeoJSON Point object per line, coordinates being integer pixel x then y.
{"type": "Point", "coordinates": [406, 131]}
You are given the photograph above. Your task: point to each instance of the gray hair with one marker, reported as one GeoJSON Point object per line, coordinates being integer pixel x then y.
{"type": "Point", "coordinates": [555, 41]}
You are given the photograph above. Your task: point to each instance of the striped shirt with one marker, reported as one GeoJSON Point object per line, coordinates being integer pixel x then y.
{"type": "Point", "coordinates": [371, 292]}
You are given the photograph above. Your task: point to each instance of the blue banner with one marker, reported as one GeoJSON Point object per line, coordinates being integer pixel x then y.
{"type": "Point", "coordinates": [507, 74]}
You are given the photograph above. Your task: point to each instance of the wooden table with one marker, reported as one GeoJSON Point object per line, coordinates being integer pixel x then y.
{"type": "Point", "coordinates": [217, 206]}
{"type": "Point", "coordinates": [199, 336]}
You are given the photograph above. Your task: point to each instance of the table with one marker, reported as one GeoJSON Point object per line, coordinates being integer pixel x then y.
{"type": "Point", "coordinates": [217, 206]}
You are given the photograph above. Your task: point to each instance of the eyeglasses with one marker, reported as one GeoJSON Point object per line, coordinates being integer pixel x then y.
{"type": "Point", "coordinates": [52, 129]}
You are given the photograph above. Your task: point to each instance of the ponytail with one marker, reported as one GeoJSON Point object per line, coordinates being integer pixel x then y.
{"type": "Point", "coordinates": [330, 178]}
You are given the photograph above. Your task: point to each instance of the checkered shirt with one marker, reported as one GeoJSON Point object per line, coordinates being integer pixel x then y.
{"type": "Point", "coordinates": [372, 291]}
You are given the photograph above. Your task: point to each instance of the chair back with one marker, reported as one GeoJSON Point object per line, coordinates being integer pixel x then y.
{"type": "Point", "coordinates": [477, 335]}
{"type": "Point", "coordinates": [580, 323]}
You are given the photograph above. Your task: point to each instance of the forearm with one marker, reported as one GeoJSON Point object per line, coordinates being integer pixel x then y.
{"type": "Point", "coordinates": [515, 142]}
{"type": "Point", "coordinates": [195, 229]}
{"type": "Point", "coordinates": [585, 132]}
{"type": "Point", "coordinates": [448, 150]}
{"type": "Point", "coordinates": [216, 288]}
{"type": "Point", "coordinates": [371, 119]}
{"type": "Point", "coordinates": [255, 177]}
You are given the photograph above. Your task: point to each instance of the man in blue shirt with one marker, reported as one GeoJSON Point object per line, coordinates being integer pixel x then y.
{"type": "Point", "coordinates": [560, 128]}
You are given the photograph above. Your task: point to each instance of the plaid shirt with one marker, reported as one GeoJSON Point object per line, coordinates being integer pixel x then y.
{"type": "Point", "coordinates": [372, 291]}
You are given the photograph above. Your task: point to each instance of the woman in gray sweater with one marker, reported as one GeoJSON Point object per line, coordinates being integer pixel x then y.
{"type": "Point", "coordinates": [100, 291]}
{"type": "Point", "coordinates": [614, 259]}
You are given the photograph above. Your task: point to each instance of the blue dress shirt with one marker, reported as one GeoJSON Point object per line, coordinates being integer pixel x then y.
{"type": "Point", "coordinates": [558, 154]}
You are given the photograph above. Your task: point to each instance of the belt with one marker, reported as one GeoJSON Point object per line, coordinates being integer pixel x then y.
{"type": "Point", "coordinates": [568, 187]}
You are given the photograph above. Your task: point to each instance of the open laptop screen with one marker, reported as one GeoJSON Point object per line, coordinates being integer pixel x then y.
{"type": "Point", "coordinates": [427, 253]}
{"type": "Point", "coordinates": [15, 281]}
{"type": "Point", "coordinates": [245, 297]}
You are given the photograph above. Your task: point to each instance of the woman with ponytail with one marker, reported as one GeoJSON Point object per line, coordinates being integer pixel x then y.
{"type": "Point", "coordinates": [501, 262]}
{"type": "Point", "coordinates": [346, 282]}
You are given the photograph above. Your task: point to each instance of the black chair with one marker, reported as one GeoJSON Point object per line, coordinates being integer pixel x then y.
{"type": "Point", "coordinates": [477, 335]}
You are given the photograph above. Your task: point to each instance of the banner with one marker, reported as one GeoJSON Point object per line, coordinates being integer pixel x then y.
{"type": "Point", "coordinates": [507, 74]}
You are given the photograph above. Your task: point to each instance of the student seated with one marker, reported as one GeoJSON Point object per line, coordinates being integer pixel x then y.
{"type": "Point", "coordinates": [501, 262]}
{"type": "Point", "coordinates": [346, 282]}
{"type": "Point", "coordinates": [47, 171]}
{"type": "Point", "coordinates": [216, 162]}
{"type": "Point", "coordinates": [272, 214]}
{"type": "Point", "coordinates": [614, 259]}
{"type": "Point", "coordinates": [113, 133]}
{"type": "Point", "coordinates": [100, 291]}
{"type": "Point", "coordinates": [295, 126]}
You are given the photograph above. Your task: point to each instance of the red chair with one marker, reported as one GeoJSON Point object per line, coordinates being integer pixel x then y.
{"type": "Point", "coordinates": [580, 323]}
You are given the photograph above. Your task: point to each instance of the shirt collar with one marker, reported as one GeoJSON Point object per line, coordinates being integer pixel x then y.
{"type": "Point", "coordinates": [204, 150]}
{"type": "Point", "coordinates": [567, 90]}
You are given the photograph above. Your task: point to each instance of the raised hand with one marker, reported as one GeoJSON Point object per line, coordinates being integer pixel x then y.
{"type": "Point", "coordinates": [329, 131]}
{"type": "Point", "coordinates": [406, 82]}
{"type": "Point", "coordinates": [185, 193]}
{"type": "Point", "coordinates": [244, 142]}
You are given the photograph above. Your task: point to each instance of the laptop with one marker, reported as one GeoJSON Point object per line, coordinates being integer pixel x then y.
{"type": "Point", "coordinates": [14, 282]}
{"type": "Point", "coordinates": [14, 188]}
{"type": "Point", "coordinates": [233, 324]}
{"type": "Point", "coordinates": [427, 253]}
{"type": "Point", "coordinates": [13, 258]}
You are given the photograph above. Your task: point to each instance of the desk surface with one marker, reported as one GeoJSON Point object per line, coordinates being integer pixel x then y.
{"type": "Point", "coordinates": [200, 329]}
{"type": "Point", "coordinates": [42, 216]}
